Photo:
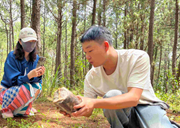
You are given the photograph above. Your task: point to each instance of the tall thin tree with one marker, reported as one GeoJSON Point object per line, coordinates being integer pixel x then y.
{"type": "Point", "coordinates": [150, 37]}
{"type": "Point", "coordinates": [11, 24]}
{"type": "Point", "coordinates": [23, 15]}
{"type": "Point", "coordinates": [66, 54]}
{"type": "Point", "coordinates": [125, 31]}
{"type": "Point", "coordinates": [104, 13]}
{"type": "Point", "coordinates": [35, 21]}
{"type": "Point", "coordinates": [44, 29]}
{"type": "Point", "coordinates": [175, 43]}
{"type": "Point", "coordinates": [94, 13]}
{"type": "Point", "coordinates": [99, 13]}
{"type": "Point", "coordinates": [59, 35]}
{"type": "Point", "coordinates": [73, 43]}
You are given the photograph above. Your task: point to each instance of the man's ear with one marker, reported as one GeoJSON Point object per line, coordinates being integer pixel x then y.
{"type": "Point", "coordinates": [106, 45]}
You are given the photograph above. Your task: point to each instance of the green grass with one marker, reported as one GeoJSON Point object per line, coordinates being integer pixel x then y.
{"type": "Point", "coordinates": [171, 99]}
{"type": "Point", "coordinates": [24, 123]}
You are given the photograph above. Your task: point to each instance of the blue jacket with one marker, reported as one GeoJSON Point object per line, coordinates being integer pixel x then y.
{"type": "Point", "coordinates": [15, 71]}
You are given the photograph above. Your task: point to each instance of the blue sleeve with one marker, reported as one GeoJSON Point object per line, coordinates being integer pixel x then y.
{"type": "Point", "coordinates": [12, 72]}
{"type": "Point", "coordinates": [36, 79]}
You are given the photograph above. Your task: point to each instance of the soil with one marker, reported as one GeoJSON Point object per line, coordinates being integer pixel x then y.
{"type": "Point", "coordinates": [48, 116]}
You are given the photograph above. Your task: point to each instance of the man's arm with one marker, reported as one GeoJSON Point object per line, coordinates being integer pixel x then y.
{"type": "Point", "coordinates": [126, 100]}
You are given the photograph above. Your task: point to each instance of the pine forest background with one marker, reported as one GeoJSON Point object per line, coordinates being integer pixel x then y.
{"type": "Point", "coordinates": [149, 25]}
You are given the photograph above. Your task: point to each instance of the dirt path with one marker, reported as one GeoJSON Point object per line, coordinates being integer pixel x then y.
{"type": "Point", "coordinates": [49, 117]}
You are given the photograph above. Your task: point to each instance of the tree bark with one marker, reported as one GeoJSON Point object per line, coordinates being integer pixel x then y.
{"type": "Point", "coordinates": [23, 15]}
{"type": "Point", "coordinates": [142, 32]}
{"type": "Point", "coordinates": [65, 100]}
{"type": "Point", "coordinates": [153, 66]}
{"type": "Point", "coordinates": [178, 75]}
{"type": "Point", "coordinates": [159, 64]}
{"type": "Point", "coordinates": [7, 33]}
{"type": "Point", "coordinates": [99, 13]}
{"type": "Point", "coordinates": [83, 56]}
{"type": "Point", "coordinates": [165, 75]}
{"type": "Point", "coordinates": [73, 43]}
{"type": "Point", "coordinates": [104, 13]}
{"type": "Point", "coordinates": [116, 33]}
{"type": "Point", "coordinates": [11, 26]}
{"type": "Point", "coordinates": [10, 39]}
{"type": "Point", "coordinates": [150, 38]}
{"type": "Point", "coordinates": [35, 22]}
{"type": "Point", "coordinates": [44, 30]}
{"type": "Point", "coordinates": [59, 35]}
{"type": "Point", "coordinates": [175, 42]}
{"type": "Point", "coordinates": [125, 32]}
{"type": "Point", "coordinates": [66, 55]}
{"type": "Point", "coordinates": [94, 13]}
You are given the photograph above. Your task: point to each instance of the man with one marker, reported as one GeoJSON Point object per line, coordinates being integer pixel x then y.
{"type": "Point", "coordinates": [122, 78]}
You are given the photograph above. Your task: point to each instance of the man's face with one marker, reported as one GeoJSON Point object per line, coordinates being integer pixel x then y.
{"type": "Point", "coordinates": [95, 53]}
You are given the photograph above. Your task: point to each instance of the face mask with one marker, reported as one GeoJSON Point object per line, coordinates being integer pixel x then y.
{"type": "Point", "coordinates": [28, 46]}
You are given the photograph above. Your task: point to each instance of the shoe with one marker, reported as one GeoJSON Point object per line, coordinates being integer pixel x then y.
{"type": "Point", "coordinates": [8, 114]}
{"type": "Point", "coordinates": [33, 110]}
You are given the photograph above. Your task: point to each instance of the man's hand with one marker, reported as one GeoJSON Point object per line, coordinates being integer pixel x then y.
{"type": "Point", "coordinates": [85, 108]}
{"type": "Point", "coordinates": [36, 72]}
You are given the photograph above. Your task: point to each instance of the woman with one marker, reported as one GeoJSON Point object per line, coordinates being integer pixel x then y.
{"type": "Point", "coordinates": [21, 82]}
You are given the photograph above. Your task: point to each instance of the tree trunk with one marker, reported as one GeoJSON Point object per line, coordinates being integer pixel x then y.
{"type": "Point", "coordinates": [72, 43]}
{"type": "Point", "coordinates": [31, 9]}
{"type": "Point", "coordinates": [116, 33]}
{"type": "Point", "coordinates": [23, 15]}
{"type": "Point", "coordinates": [59, 35]}
{"type": "Point", "coordinates": [159, 64]}
{"type": "Point", "coordinates": [7, 34]}
{"type": "Point", "coordinates": [178, 75]}
{"type": "Point", "coordinates": [10, 39]}
{"type": "Point", "coordinates": [104, 13]}
{"type": "Point", "coordinates": [150, 38]}
{"type": "Point", "coordinates": [66, 55]}
{"type": "Point", "coordinates": [153, 66]}
{"type": "Point", "coordinates": [165, 74]}
{"type": "Point", "coordinates": [175, 44]}
{"type": "Point", "coordinates": [44, 30]}
{"type": "Point", "coordinates": [94, 13]}
{"type": "Point", "coordinates": [35, 22]}
{"type": "Point", "coordinates": [11, 26]}
{"type": "Point", "coordinates": [131, 35]}
{"type": "Point", "coordinates": [99, 13]}
{"type": "Point", "coordinates": [83, 56]}
{"type": "Point", "coordinates": [142, 33]}
{"type": "Point", "coordinates": [125, 32]}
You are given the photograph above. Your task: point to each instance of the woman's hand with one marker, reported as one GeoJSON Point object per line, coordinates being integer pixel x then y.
{"type": "Point", "coordinates": [36, 72]}
{"type": "Point", "coordinates": [85, 108]}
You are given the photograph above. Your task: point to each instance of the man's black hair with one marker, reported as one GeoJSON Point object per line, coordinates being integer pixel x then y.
{"type": "Point", "coordinates": [98, 34]}
{"type": "Point", "coordinates": [19, 53]}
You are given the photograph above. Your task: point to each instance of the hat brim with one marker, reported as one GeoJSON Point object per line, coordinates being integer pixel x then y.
{"type": "Point", "coordinates": [28, 39]}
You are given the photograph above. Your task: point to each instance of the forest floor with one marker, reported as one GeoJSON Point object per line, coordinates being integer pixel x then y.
{"type": "Point", "coordinates": [48, 116]}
